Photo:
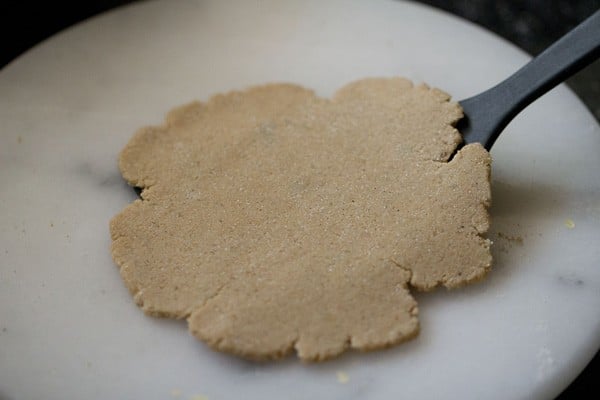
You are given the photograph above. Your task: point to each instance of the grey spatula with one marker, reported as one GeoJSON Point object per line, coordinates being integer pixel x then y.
{"type": "Point", "coordinates": [488, 113]}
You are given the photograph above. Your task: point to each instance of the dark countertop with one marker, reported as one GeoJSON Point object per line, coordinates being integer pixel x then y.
{"type": "Point", "coordinates": [530, 24]}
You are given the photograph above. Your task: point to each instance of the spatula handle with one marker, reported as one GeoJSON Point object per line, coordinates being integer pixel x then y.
{"type": "Point", "coordinates": [488, 113]}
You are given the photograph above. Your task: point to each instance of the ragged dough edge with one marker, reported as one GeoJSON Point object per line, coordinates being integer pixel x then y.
{"type": "Point", "coordinates": [449, 137]}
{"type": "Point", "coordinates": [225, 345]}
{"type": "Point", "coordinates": [146, 182]}
{"type": "Point", "coordinates": [478, 229]}
{"type": "Point", "coordinates": [482, 226]}
{"type": "Point", "coordinates": [296, 342]}
{"type": "Point", "coordinates": [133, 163]}
{"type": "Point", "coordinates": [120, 249]}
{"type": "Point", "coordinates": [139, 177]}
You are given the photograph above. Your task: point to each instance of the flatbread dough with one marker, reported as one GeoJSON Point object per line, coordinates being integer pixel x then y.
{"type": "Point", "coordinates": [275, 220]}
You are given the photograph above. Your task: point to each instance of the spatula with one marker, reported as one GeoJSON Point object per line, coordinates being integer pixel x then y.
{"type": "Point", "coordinates": [488, 113]}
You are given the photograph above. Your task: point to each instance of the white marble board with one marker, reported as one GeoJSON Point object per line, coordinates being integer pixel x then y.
{"type": "Point", "coordinates": [69, 328]}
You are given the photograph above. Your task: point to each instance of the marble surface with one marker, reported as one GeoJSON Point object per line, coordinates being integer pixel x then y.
{"type": "Point", "coordinates": [68, 327]}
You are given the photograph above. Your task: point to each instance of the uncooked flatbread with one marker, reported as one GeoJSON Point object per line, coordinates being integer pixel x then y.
{"type": "Point", "coordinates": [275, 220]}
